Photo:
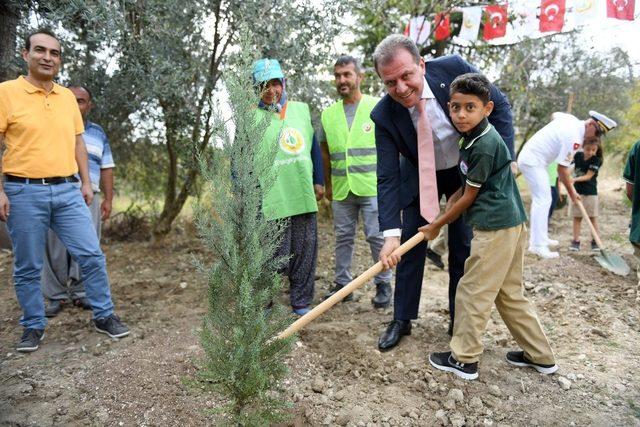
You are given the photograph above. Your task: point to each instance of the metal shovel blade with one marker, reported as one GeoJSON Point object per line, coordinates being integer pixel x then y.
{"type": "Point", "coordinates": [613, 262]}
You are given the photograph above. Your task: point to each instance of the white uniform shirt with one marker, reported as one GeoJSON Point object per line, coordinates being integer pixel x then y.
{"type": "Point", "coordinates": [556, 142]}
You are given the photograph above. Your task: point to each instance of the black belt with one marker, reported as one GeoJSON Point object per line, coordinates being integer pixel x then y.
{"type": "Point", "coordinates": [42, 181]}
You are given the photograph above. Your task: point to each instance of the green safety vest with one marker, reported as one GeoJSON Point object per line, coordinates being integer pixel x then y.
{"type": "Point", "coordinates": [292, 192]}
{"type": "Point", "coordinates": [352, 151]}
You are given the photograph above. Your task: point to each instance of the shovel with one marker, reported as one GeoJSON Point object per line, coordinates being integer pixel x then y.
{"type": "Point", "coordinates": [611, 261]}
{"type": "Point", "coordinates": [347, 289]}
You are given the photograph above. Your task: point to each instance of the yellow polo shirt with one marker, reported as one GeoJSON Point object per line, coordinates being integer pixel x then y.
{"type": "Point", "coordinates": [39, 129]}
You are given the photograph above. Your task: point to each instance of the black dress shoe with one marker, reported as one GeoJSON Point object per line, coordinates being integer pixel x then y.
{"type": "Point", "coordinates": [335, 289]}
{"type": "Point", "coordinates": [383, 295]}
{"type": "Point", "coordinates": [391, 337]}
{"type": "Point", "coordinates": [53, 307]}
{"type": "Point", "coordinates": [435, 259]}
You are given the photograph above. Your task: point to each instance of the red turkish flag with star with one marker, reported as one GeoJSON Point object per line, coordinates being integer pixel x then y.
{"type": "Point", "coordinates": [621, 9]}
{"type": "Point", "coordinates": [443, 26]}
{"type": "Point", "coordinates": [495, 24]}
{"type": "Point", "coordinates": [552, 15]}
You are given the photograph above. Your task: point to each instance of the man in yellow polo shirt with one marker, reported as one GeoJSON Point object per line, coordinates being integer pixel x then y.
{"type": "Point", "coordinates": [42, 151]}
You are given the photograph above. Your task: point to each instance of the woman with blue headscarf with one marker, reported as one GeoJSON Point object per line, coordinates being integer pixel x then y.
{"type": "Point", "coordinates": [299, 180]}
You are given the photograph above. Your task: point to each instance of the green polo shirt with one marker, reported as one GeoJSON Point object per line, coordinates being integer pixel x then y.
{"type": "Point", "coordinates": [485, 163]}
{"type": "Point", "coordinates": [631, 171]}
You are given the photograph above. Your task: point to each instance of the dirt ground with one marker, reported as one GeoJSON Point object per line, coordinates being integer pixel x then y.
{"type": "Point", "coordinates": [338, 377]}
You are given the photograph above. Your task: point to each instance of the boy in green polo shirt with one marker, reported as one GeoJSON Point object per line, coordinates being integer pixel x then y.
{"type": "Point", "coordinates": [491, 204]}
{"type": "Point", "coordinates": [630, 175]}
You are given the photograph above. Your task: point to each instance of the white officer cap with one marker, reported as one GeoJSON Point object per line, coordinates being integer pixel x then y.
{"type": "Point", "coordinates": [604, 123]}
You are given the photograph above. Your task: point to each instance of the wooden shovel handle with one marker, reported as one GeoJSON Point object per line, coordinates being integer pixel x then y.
{"type": "Point", "coordinates": [347, 289]}
{"type": "Point", "coordinates": [594, 233]}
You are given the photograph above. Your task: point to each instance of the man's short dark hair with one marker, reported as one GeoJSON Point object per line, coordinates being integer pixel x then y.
{"type": "Point", "coordinates": [472, 84]}
{"type": "Point", "coordinates": [47, 31]}
{"type": "Point", "coordinates": [81, 87]}
{"type": "Point", "coordinates": [345, 60]}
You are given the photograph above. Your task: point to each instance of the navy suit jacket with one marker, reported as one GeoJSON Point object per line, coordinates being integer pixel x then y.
{"type": "Point", "coordinates": [396, 139]}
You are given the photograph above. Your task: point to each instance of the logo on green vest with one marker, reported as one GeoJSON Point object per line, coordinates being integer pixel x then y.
{"type": "Point", "coordinates": [291, 141]}
{"type": "Point", "coordinates": [366, 127]}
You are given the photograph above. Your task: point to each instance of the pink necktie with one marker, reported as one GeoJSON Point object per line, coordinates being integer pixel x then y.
{"type": "Point", "coordinates": [429, 204]}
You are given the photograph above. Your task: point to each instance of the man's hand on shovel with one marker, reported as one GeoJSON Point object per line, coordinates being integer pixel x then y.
{"type": "Point", "coordinates": [388, 258]}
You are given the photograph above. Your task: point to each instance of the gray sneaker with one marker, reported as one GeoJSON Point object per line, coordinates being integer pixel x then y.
{"type": "Point", "coordinates": [30, 340]}
{"type": "Point", "coordinates": [575, 246]}
{"type": "Point", "coordinates": [112, 326]}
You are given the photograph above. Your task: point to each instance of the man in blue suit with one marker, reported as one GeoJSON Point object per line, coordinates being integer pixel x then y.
{"type": "Point", "coordinates": [409, 79]}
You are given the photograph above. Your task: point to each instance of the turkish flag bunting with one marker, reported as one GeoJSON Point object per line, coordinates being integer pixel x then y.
{"type": "Point", "coordinates": [621, 9]}
{"type": "Point", "coordinates": [443, 26]}
{"type": "Point", "coordinates": [496, 23]}
{"type": "Point", "coordinates": [552, 15]}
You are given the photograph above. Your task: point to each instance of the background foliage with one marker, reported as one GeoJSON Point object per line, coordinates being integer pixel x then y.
{"type": "Point", "coordinates": [155, 69]}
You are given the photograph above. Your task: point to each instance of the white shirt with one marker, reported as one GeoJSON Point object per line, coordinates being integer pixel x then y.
{"type": "Point", "coordinates": [445, 138]}
{"type": "Point", "coordinates": [556, 142]}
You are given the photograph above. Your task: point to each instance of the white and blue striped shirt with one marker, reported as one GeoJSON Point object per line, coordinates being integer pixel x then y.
{"type": "Point", "coordinates": [99, 151]}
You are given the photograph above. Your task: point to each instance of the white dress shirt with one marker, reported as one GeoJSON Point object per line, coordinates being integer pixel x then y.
{"type": "Point", "coordinates": [445, 138]}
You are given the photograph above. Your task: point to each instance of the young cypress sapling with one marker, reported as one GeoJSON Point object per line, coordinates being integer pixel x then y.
{"type": "Point", "coordinates": [242, 360]}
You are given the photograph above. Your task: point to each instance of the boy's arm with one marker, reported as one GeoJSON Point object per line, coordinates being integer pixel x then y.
{"type": "Point", "coordinates": [453, 199]}
{"type": "Point", "coordinates": [468, 197]}
{"type": "Point", "coordinates": [629, 191]}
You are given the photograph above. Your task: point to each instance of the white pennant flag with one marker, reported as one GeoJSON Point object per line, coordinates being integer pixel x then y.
{"type": "Point", "coordinates": [471, 17]}
{"type": "Point", "coordinates": [419, 29]}
{"type": "Point", "coordinates": [584, 11]}
{"type": "Point", "coordinates": [525, 22]}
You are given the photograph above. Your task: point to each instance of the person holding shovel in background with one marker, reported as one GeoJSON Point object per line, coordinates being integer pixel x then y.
{"type": "Point", "coordinates": [557, 141]}
{"type": "Point", "coordinates": [587, 163]}
{"type": "Point", "coordinates": [299, 182]}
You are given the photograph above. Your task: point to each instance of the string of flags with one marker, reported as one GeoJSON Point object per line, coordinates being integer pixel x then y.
{"type": "Point", "coordinates": [533, 18]}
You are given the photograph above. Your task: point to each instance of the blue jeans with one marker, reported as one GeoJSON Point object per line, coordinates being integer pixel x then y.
{"type": "Point", "coordinates": [34, 209]}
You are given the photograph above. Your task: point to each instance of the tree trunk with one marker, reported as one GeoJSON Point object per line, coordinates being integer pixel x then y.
{"type": "Point", "coordinates": [9, 18]}
{"type": "Point", "coordinates": [170, 208]}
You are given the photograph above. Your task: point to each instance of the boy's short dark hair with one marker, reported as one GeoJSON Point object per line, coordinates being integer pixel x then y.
{"type": "Point", "coordinates": [47, 31]}
{"type": "Point", "coordinates": [472, 84]}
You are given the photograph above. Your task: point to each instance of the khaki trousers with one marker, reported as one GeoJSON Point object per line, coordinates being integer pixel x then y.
{"type": "Point", "coordinates": [493, 274]}
{"type": "Point", "coordinates": [636, 255]}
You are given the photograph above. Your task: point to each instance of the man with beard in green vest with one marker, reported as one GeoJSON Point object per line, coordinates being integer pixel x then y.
{"type": "Point", "coordinates": [348, 146]}
{"type": "Point", "coordinates": [298, 181]}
